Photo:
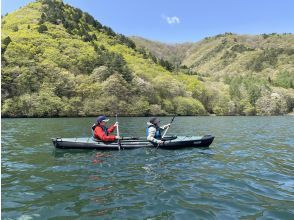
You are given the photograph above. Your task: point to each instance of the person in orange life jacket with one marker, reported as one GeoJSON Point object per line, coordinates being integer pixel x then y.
{"type": "Point", "coordinates": [153, 130]}
{"type": "Point", "coordinates": [101, 132]}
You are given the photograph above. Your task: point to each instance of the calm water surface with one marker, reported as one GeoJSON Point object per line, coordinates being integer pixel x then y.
{"type": "Point", "coordinates": [247, 173]}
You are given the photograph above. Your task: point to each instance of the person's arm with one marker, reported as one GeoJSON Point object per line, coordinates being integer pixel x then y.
{"type": "Point", "coordinates": [151, 134]}
{"type": "Point", "coordinates": [164, 126]}
{"type": "Point", "coordinates": [111, 128]}
{"type": "Point", "coordinates": [98, 132]}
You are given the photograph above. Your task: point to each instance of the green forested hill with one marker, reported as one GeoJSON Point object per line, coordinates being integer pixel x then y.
{"type": "Point", "coordinates": [60, 61]}
{"type": "Point", "coordinates": [173, 53]}
{"type": "Point", "coordinates": [250, 74]}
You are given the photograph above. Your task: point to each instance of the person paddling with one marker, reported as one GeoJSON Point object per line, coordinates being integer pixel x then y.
{"type": "Point", "coordinates": [153, 130]}
{"type": "Point", "coordinates": [101, 132]}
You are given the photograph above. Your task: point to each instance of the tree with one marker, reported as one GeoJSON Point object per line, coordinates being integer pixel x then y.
{"type": "Point", "coordinates": [42, 28]}
{"type": "Point", "coordinates": [140, 106]}
{"type": "Point", "coordinates": [100, 74]}
{"type": "Point", "coordinates": [271, 104]}
{"type": "Point", "coordinates": [42, 19]}
{"type": "Point", "coordinates": [116, 63]}
{"type": "Point", "coordinates": [285, 79]}
{"type": "Point", "coordinates": [167, 65]}
{"type": "Point", "coordinates": [117, 86]}
{"type": "Point", "coordinates": [188, 106]}
{"type": "Point", "coordinates": [168, 87]}
{"type": "Point", "coordinates": [15, 28]}
{"type": "Point", "coordinates": [6, 41]}
{"type": "Point", "coordinates": [156, 110]}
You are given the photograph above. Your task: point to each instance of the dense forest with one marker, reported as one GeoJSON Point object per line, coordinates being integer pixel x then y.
{"type": "Point", "coordinates": [242, 74]}
{"type": "Point", "coordinates": [60, 61]}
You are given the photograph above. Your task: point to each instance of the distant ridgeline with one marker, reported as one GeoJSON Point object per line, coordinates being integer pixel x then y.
{"type": "Point", "coordinates": [60, 61]}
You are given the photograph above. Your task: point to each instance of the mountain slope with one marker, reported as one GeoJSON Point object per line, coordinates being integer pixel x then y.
{"type": "Point", "coordinates": [251, 67]}
{"type": "Point", "coordinates": [173, 53]}
{"type": "Point", "coordinates": [60, 61]}
{"type": "Point", "coordinates": [229, 53]}
{"type": "Point", "coordinates": [234, 54]}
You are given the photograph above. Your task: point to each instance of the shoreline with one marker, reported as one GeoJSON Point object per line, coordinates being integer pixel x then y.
{"type": "Point", "coordinates": [134, 116]}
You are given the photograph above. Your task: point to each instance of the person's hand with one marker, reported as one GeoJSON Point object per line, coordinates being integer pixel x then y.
{"type": "Point", "coordinates": [118, 137]}
{"type": "Point", "coordinates": [115, 124]}
{"type": "Point", "coordinates": [166, 126]}
{"type": "Point", "coordinates": [159, 142]}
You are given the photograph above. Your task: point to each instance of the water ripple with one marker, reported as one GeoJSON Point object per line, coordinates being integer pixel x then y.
{"type": "Point", "coordinates": [247, 173]}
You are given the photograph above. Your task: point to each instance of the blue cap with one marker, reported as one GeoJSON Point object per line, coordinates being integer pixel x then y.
{"type": "Point", "coordinates": [101, 118]}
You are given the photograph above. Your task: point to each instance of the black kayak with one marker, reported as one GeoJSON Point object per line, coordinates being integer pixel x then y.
{"type": "Point", "coordinates": [171, 142]}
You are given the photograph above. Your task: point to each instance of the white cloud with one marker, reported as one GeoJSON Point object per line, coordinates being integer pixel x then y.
{"type": "Point", "coordinates": [171, 20]}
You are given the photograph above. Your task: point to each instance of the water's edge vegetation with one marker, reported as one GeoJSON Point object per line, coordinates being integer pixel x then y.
{"type": "Point", "coordinates": [58, 61]}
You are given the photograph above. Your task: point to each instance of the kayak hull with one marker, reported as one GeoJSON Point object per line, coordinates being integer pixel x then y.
{"type": "Point", "coordinates": [172, 142]}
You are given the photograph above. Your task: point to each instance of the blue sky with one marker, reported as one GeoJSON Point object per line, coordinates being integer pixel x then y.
{"type": "Point", "coordinates": [177, 21]}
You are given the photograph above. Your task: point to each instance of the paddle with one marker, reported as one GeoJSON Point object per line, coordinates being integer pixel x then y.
{"type": "Point", "coordinates": [166, 130]}
{"type": "Point", "coordinates": [168, 127]}
{"type": "Point", "coordinates": [117, 133]}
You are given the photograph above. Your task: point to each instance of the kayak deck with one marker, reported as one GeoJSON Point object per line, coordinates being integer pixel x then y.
{"type": "Point", "coordinates": [171, 142]}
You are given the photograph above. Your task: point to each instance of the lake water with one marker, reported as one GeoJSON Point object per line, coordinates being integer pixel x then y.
{"type": "Point", "coordinates": [247, 173]}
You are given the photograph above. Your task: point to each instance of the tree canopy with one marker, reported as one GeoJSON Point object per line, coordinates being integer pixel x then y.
{"type": "Point", "coordinates": [59, 61]}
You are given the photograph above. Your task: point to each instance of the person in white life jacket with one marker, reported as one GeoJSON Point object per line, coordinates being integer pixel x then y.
{"type": "Point", "coordinates": [153, 130]}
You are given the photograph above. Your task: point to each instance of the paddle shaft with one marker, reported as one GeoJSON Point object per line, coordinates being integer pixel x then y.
{"type": "Point", "coordinates": [168, 127]}
{"type": "Point", "coordinates": [117, 133]}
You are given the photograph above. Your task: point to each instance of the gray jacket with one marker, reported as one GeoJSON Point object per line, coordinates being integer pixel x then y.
{"type": "Point", "coordinates": [152, 131]}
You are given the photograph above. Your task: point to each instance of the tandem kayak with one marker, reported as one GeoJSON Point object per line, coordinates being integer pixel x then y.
{"type": "Point", "coordinates": [171, 142]}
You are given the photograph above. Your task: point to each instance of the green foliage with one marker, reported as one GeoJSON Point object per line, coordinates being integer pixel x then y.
{"type": "Point", "coordinates": [42, 28]}
{"type": "Point", "coordinates": [15, 28]}
{"type": "Point", "coordinates": [224, 35]}
{"type": "Point", "coordinates": [271, 104]}
{"type": "Point", "coordinates": [265, 58]}
{"type": "Point", "coordinates": [252, 86]}
{"type": "Point", "coordinates": [60, 61]}
{"type": "Point", "coordinates": [168, 87]}
{"type": "Point", "coordinates": [116, 85]}
{"type": "Point", "coordinates": [6, 41]}
{"type": "Point", "coordinates": [116, 63]}
{"type": "Point", "coordinates": [240, 48]}
{"type": "Point", "coordinates": [156, 109]}
{"type": "Point", "coordinates": [124, 40]}
{"type": "Point", "coordinates": [168, 106]}
{"type": "Point", "coordinates": [188, 106]}
{"type": "Point", "coordinates": [216, 100]}
{"type": "Point", "coordinates": [76, 21]}
{"type": "Point", "coordinates": [285, 79]}
{"type": "Point", "coordinates": [245, 91]}
{"type": "Point", "coordinates": [36, 105]}
{"type": "Point", "coordinates": [229, 55]}
{"type": "Point", "coordinates": [265, 36]}
{"type": "Point", "coordinates": [166, 64]}
{"type": "Point", "coordinates": [139, 107]}
{"type": "Point", "coordinates": [169, 56]}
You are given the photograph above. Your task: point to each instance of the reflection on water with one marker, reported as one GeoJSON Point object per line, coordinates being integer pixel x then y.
{"type": "Point", "coordinates": [246, 173]}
